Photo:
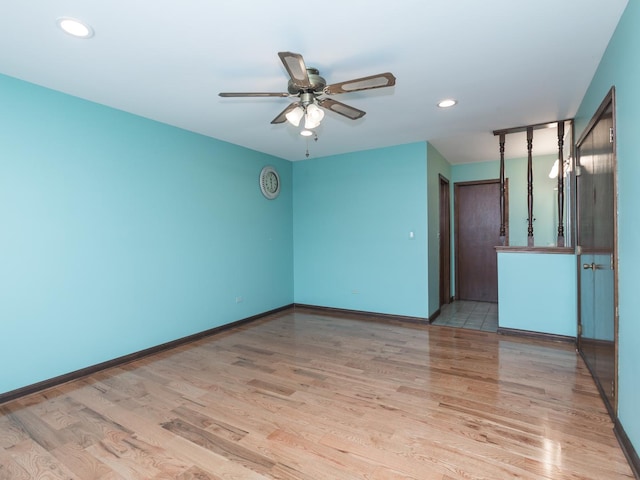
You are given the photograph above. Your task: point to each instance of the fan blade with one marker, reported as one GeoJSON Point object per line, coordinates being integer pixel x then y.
{"type": "Point", "coordinates": [283, 115]}
{"type": "Point", "coordinates": [253, 94]}
{"type": "Point", "coordinates": [365, 83]}
{"type": "Point", "coordinates": [341, 108]}
{"type": "Point", "coordinates": [296, 69]}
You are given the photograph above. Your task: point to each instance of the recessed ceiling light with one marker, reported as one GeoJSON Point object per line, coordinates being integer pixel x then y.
{"type": "Point", "coordinates": [449, 102]}
{"type": "Point", "coordinates": [75, 27]}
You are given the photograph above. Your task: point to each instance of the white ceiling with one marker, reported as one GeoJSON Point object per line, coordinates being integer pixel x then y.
{"type": "Point", "coordinates": [508, 63]}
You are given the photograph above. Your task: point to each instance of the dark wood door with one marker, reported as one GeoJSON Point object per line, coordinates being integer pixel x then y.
{"type": "Point", "coordinates": [445, 242]}
{"type": "Point", "coordinates": [596, 239]}
{"type": "Point", "coordinates": [477, 233]}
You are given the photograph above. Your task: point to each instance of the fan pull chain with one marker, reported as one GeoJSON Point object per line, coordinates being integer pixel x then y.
{"type": "Point", "coordinates": [315, 139]}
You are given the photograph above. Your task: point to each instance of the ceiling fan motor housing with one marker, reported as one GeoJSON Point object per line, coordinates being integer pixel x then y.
{"type": "Point", "coordinates": [317, 83]}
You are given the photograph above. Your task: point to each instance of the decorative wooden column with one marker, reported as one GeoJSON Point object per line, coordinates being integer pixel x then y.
{"type": "Point", "coordinates": [560, 185]}
{"type": "Point", "coordinates": [504, 201]}
{"type": "Point", "coordinates": [530, 241]}
{"type": "Point", "coordinates": [503, 229]}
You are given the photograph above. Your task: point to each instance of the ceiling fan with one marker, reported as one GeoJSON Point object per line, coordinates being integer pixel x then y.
{"type": "Point", "coordinates": [307, 84]}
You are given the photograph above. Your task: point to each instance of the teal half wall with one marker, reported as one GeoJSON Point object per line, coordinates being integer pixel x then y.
{"type": "Point", "coordinates": [619, 67]}
{"type": "Point", "coordinates": [537, 292]}
{"type": "Point", "coordinates": [360, 231]}
{"type": "Point", "coordinates": [118, 233]}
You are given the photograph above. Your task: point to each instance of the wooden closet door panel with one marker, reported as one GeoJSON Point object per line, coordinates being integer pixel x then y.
{"type": "Point", "coordinates": [596, 229]}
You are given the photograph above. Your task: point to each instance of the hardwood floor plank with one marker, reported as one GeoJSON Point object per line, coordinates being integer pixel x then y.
{"type": "Point", "coordinates": [310, 459]}
{"type": "Point", "coordinates": [84, 465]}
{"type": "Point", "coordinates": [225, 448]}
{"type": "Point", "coordinates": [39, 463]}
{"type": "Point", "coordinates": [222, 429]}
{"type": "Point", "coordinates": [309, 396]}
{"type": "Point", "coordinates": [210, 462]}
{"type": "Point", "coordinates": [195, 473]}
{"type": "Point", "coordinates": [37, 430]}
{"type": "Point", "coordinates": [10, 470]}
{"type": "Point", "coordinates": [11, 432]}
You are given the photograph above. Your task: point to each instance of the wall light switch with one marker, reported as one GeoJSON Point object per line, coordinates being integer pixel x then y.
{"type": "Point", "coordinates": [412, 235]}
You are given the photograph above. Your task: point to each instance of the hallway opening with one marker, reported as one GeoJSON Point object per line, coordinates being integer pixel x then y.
{"type": "Point", "coordinates": [469, 314]}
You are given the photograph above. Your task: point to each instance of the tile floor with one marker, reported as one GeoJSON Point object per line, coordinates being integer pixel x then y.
{"type": "Point", "coordinates": [466, 314]}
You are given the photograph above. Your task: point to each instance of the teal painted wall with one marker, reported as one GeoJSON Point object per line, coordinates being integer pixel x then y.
{"type": "Point", "coordinates": [119, 233]}
{"type": "Point", "coordinates": [352, 218]}
{"type": "Point", "coordinates": [551, 278]}
{"type": "Point", "coordinates": [620, 67]}
{"type": "Point", "coordinates": [436, 165]}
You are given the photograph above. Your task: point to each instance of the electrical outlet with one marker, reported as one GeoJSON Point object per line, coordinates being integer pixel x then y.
{"type": "Point", "coordinates": [239, 299]}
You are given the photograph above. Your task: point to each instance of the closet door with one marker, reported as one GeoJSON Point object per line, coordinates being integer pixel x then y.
{"type": "Point", "coordinates": [596, 238]}
{"type": "Point", "coordinates": [477, 233]}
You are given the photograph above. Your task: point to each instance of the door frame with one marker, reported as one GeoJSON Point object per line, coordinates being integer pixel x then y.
{"type": "Point", "coordinates": [444, 198]}
{"type": "Point", "coordinates": [609, 100]}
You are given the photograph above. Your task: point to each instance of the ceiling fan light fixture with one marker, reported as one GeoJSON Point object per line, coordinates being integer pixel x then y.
{"type": "Point", "coordinates": [313, 117]}
{"type": "Point", "coordinates": [75, 27]}
{"type": "Point", "coordinates": [310, 123]}
{"type": "Point", "coordinates": [295, 115]}
{"type": "Point", "coordinates": [306, 133]}
{"type": "Point", "coordinates": [447, 103]}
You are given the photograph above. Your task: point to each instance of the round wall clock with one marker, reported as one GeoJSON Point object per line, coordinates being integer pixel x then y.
{"type": "Point", "coordinates": [270, 182]}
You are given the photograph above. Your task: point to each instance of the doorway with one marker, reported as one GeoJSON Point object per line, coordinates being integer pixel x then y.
{"type": "Point", "coordinates": [477, 233]}
{"type": "Point", "coordinates": [596, 247]}
{"type": "Point", "coordinates": [445, 242]}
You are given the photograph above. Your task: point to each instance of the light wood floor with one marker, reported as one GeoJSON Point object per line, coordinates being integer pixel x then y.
{"type": "Point", "coordinates": [306, 396]}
